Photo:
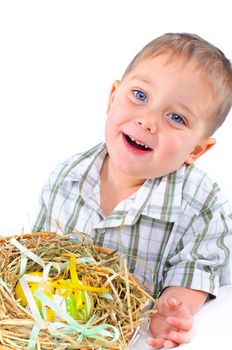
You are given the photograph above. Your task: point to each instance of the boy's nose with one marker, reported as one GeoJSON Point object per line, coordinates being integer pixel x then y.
{"type": "Point", "coordinates": [147, 125]}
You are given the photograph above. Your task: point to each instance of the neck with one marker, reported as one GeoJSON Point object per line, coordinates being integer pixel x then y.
{"type": "Point", "coordinates": [116, 179]}
{"type": "Point", "coordinates": [115, 187]}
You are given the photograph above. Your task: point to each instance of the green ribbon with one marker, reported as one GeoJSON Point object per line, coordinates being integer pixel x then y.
{"type": "Point", "coordinates": [106, 296]}
{"type": "Point", "coordinates": [100, 332]}
{"type": "Point", "coordinates": [84, 259]}
{"type": "Point", "coordinates": [27, 252]}
{"type": "Point", "coordinates": [34, 335]}
{"type": "Point", "coordinates": [106, 333]}
{"type": "Point", "coordinates": [23, 264]}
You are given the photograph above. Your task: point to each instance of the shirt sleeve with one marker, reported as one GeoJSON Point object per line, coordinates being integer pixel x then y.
{"type": "Point", "coordinates": [40, 216]}
{"type": "Point", "coordinates": [44, 206]}
{"type": "Point", "coordinates": [201, 257]}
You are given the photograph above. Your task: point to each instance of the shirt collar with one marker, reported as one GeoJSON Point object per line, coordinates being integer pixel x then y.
{"type": "Point", "coordinates": [158, 198]}
{"type": "Point", "coordinates": [80, 164]}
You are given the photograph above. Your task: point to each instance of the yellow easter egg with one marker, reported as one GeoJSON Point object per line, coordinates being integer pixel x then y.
{"type": "Point", "coordinates": [46, 287]}
{"type": "Point", "coordinates": [19, 294]}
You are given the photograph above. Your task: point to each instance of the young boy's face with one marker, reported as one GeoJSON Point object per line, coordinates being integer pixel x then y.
{"type": "Point", "coordinates": [157, 118]}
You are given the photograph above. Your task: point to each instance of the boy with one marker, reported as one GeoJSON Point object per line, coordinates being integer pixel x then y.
{"type": "Point", "coordinates": [140, 192]}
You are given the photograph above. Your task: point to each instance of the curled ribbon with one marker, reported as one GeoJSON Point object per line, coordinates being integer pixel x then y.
{"type": "Point", "coordinates": [100, 332]}
{"type": "Point", "coordinates": [103, 332]}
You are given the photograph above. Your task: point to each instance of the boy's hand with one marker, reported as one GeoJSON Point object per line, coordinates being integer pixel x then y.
{"type": "Point", "coordinates": [172, 322]}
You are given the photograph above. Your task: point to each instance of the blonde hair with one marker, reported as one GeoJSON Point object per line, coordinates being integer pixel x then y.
{"type": "Point", "coordinates": [208, 58]}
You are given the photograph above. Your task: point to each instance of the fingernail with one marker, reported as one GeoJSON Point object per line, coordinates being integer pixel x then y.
{"type": "Point", "coordinates": [174, 301]}
{"type": "Point", "coordinates": [149, 341]}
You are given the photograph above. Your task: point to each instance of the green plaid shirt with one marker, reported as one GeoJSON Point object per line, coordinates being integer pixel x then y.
{"type": "Point", "coordinates": [175, 230]}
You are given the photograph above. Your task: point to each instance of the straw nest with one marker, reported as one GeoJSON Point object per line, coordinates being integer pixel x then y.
{"type": "Point", "coordinates": [126, 311]}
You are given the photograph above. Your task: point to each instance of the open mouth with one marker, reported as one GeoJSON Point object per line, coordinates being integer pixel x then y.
{"type": "Point", "coordinates": [136, 144]}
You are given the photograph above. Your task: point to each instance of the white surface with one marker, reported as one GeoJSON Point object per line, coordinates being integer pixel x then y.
{"type": "Point", "coordinates": [212, 325]}
{"type": "Point", "coordinates": [57, 63]}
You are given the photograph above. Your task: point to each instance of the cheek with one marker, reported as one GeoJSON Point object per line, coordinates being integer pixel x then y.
{"type": "Point", "coordinates": [111, 116]}
{"type": "Point", "coordinates": [115, 118]}
{"type": "Point", "coordinates": [111, 121]}
{"type": "Point", "coordinates": [120, 109]}
{"type": "Point", "coordinates": [176, 147]}
{"type": "Point", "coordinates": [170, 143]}
{"type": "Point", "coordinates": [111, 127]}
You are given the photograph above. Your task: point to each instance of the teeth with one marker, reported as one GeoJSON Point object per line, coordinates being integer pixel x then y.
{"type": "Point", "coordinates": [138, 143]}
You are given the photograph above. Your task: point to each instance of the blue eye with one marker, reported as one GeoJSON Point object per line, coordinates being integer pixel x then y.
{"type": "Point", "coordinates": [176, 118]}
{"type": "Point", "coordinates": [140, 95]}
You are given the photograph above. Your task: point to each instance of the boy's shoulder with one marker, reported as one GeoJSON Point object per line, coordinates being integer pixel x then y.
{"type": "Point", "coordinates": [74, 167]}
{"type": "Point", "coordinates": [195, 177]}
{"type": "Point", "coordinates": [200, 191]}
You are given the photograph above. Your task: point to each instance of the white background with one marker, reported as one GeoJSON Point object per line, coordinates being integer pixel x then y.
{"type": "Point", "coordinates": [57, 62]}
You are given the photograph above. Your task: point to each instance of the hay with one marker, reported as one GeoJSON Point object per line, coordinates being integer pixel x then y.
{"type": "Point", "coordinates": [126, 311]}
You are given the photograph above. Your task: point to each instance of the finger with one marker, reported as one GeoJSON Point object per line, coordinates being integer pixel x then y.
{"type": "Point", "coordinates": [180, 337]}
{"type": "Point", "coordinates": [180, 323]}
{"type": "Point", "coordinates": [156, 343]}
{"type": "Point", "coordinates": [170, 303]}
{"type": "Point", "coordinates": [168, 344]}
{"type": "Point", "coordinates": [173, 303]}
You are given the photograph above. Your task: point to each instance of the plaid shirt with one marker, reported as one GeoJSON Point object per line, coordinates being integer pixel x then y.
{"type": "Point", "coordinates": [174, 230]}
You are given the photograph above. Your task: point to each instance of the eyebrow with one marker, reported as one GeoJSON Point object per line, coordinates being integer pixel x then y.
{"type": "Point", "coordinates": [188, 110]}
{"type": "Point", "coordinates": [146, 80]}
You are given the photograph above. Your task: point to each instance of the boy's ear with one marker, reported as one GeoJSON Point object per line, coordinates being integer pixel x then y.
{"type": "Point", "coordinates": [200, 149]}
{"type": "Point", "coordinates": [113, 90]}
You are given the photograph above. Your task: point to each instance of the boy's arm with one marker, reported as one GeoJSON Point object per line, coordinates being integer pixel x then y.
{"type": "Point", "coordinates": [193, 298]}
{"type": "Point", "coordinates": [40, 216]}
{"type": "Point", "coordinates": [172, 322]}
